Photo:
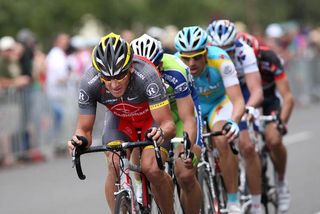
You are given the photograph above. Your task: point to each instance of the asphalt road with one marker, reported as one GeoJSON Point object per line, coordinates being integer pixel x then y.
{"type": "Point", "coordinates": [52, 187]}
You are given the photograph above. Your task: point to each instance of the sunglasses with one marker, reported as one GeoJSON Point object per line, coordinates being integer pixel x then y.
{"type": "Point", "coordinates": [196, 56]}
{"type": "Point", "coordinates": [119, 78]}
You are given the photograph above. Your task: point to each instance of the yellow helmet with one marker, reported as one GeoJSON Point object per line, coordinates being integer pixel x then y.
{"type": "Point", "coordinates": [112, 56]}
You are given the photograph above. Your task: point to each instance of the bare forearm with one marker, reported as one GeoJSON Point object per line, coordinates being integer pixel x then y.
{"type": "Point", "coordinates": [190, 126]}
{"type": "Point", "coordinates": [238, 110]}
{"type": "Point", "coordinates": [169, 130]}
{"type": "Point", "coordinates": [288, 104]}
{"type": "Point", "coordinates": [256, 97]}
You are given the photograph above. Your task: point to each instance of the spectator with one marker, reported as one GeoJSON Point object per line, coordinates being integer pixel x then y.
{"type": "Point", "coordinates": [57, 77]}
{"type": "Point", "coordinates": [9, 78]}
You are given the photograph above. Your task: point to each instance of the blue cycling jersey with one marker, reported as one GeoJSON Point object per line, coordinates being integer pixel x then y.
{"type": "Point", "coordinates": [218, 74]}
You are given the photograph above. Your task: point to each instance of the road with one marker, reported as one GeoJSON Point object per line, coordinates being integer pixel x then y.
{"type": "Point", "coordinates": [52, 187]}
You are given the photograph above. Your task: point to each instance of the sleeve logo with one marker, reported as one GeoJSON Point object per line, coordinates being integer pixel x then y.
{"type": "Point", "coordinates": [152, 90]}
{"type": "Point", "coordinates": [83, 97]}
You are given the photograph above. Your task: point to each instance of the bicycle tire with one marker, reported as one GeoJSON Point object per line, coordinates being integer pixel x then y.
{"type": "Point", "coordinates": [123, 203]}
{"type": "Point", "coordinates": [210, 204]}
{"type": "Point", "coordinates": [269, 193]}
{"type": "Point", "coordinates": [221, 193]}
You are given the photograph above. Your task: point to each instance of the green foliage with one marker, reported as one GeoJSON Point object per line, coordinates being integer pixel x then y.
{"type": "Point", "coordinates": [47, 17]}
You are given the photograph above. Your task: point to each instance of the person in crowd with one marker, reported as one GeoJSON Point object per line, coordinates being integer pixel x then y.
{"type": "Point", "coordinates": [57, 76]}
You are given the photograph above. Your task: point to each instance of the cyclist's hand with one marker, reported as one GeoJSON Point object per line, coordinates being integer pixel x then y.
{"type": "Point", "coordinates": [155, 133]}
{"type": "Point", "coordinates": [249, 114]}
{"type": "Point", "coordinates": [231, 130]}
{"type": "Point", "coordinates": [283, 128]}
{"type": "Point", "coordinates": [77, 141]}
{"type": "Point", "coordinates": [190, 162]}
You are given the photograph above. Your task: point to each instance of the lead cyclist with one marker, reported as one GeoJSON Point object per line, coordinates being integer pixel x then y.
{"type": "Point", "coordinates": [132, 92]}
{"type": "Point", "coordinates": [185, 110]}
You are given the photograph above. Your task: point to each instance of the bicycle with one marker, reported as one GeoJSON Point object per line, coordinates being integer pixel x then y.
{"type": "Point", "coordinates": [210, 176]}
{"type": "Point", "coordinates": [126, 199]}
{"type": "Point", "coordinates": [170, 167]}
{"type": "Point", "coordinates": [269, 193]}
{"type": "Point", "coordinates": [268, 190]}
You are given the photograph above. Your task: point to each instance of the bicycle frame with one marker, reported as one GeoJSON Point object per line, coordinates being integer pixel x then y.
{"type": "Point", "coordinates": [125, 184]}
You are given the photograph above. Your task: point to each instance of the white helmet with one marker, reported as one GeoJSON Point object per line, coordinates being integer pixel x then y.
{"type": "Point", "coordinates": [222, 32]}
{"type": "Point", "coordinates": [148, 47]}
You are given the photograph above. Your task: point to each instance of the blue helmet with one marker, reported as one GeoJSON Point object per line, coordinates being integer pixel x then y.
{"type": "Point", "coordinates": [191, 39]}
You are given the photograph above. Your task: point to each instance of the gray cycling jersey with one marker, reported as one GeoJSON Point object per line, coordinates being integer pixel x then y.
{"type": "Point", "coordinates": [145, 91]}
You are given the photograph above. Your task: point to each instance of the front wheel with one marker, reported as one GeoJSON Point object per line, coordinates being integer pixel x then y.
{"type": "Point", "coordinates": [210, 204]}
{"type": "Point", "coordinates": [123, 203]}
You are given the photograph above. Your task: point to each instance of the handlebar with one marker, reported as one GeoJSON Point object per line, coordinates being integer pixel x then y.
{"type": "Point", "coordinates": [114, 146]}
{"type": "Point", "coordinates": [233, 147]}
{"type": "Point", "coordinates": [186, 144]}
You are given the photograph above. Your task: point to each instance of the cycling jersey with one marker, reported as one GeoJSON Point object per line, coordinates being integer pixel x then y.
{"type": "Point", "coordinates": [218, 74]}
{"type": "Point", "coordinates": [244, 60]}
{"type": "Point", "coordinates": [179, 84]}
{"type": "Point", "coordinates": [145, 91]}
{"type": "Point", "coordinates": [271, 70]}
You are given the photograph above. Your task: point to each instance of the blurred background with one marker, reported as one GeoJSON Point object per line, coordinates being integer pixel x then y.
{"type": "Point", "coordinates": [45, 46]}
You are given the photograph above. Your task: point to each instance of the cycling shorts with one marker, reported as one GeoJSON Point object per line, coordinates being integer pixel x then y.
{"type": "Point", "coordinates": [221, 111]}
{"type": "Point", "coordinates": [116, 128]}
{"type": "Point", "coordinates": [271, 105]}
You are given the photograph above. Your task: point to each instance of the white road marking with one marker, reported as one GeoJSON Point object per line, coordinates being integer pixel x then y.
{"type": "Point", "coordinates": [297, 138]}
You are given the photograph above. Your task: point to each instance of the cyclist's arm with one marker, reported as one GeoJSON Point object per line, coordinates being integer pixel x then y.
{"type": "Point", "coordinates": [162, 116]}
{"type": "Point", "coordinates": [186, 113]}
{"type": "Point", "coordinates": [85, 126]}
{"type": "Point", "coordinates": [231, 84]}
{"type": "Point", "coordinates": [288, 100]}
{"type": "Point", "coordinates": [235, 95]}
{"type": "Point", "coordinates": [253, 81]}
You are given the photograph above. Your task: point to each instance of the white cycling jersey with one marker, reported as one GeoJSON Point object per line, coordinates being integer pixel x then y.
{"type": "Point", "coordinates": [244, 60]}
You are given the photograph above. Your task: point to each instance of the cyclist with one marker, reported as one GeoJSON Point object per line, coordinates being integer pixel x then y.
{"type": "Point", "coordinates": [183, 100]}
{"type": "Point", "coordinates": [220, 98]}
{"type": "Point", "coordinates": [274, 79]}
{"type": "Point", "coordinates": [132, 91]}
{"type": "Point", "coordinates": [223, 34]}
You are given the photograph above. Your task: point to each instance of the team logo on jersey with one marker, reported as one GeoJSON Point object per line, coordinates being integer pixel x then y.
{"type": "Point", "coordinates": [241, 57]}
{"type": "Point", "coordinates": [83, 97]}
{"type": "Point", "coordinates": [222, 56]}
{"type": "Point", "coordinates": [152, 90]}
{"type": "Point", "coordinates": [227, 68]}
{"type": "Point", "coordinates": [127, 110]}
{"type": "Point", "coordinates": [182, 87]}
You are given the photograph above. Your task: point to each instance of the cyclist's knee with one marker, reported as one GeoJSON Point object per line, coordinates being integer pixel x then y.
{"type": "Point", "coordinates": [186, 177]}
{"type": "Point", "coordinates": [150, 167]}
{"type": "Point", "coordinates": [274, 143]}
{"type": "Point", "coordinates": [152, 171]}
{"type": "Point", "coordinates": [248, 149]}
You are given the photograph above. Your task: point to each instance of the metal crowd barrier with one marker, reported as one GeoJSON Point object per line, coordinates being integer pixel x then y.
{"type": "Point", "coordinates": [304, 79]}
{"type": "Point", "coordinates": [27, 118]}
